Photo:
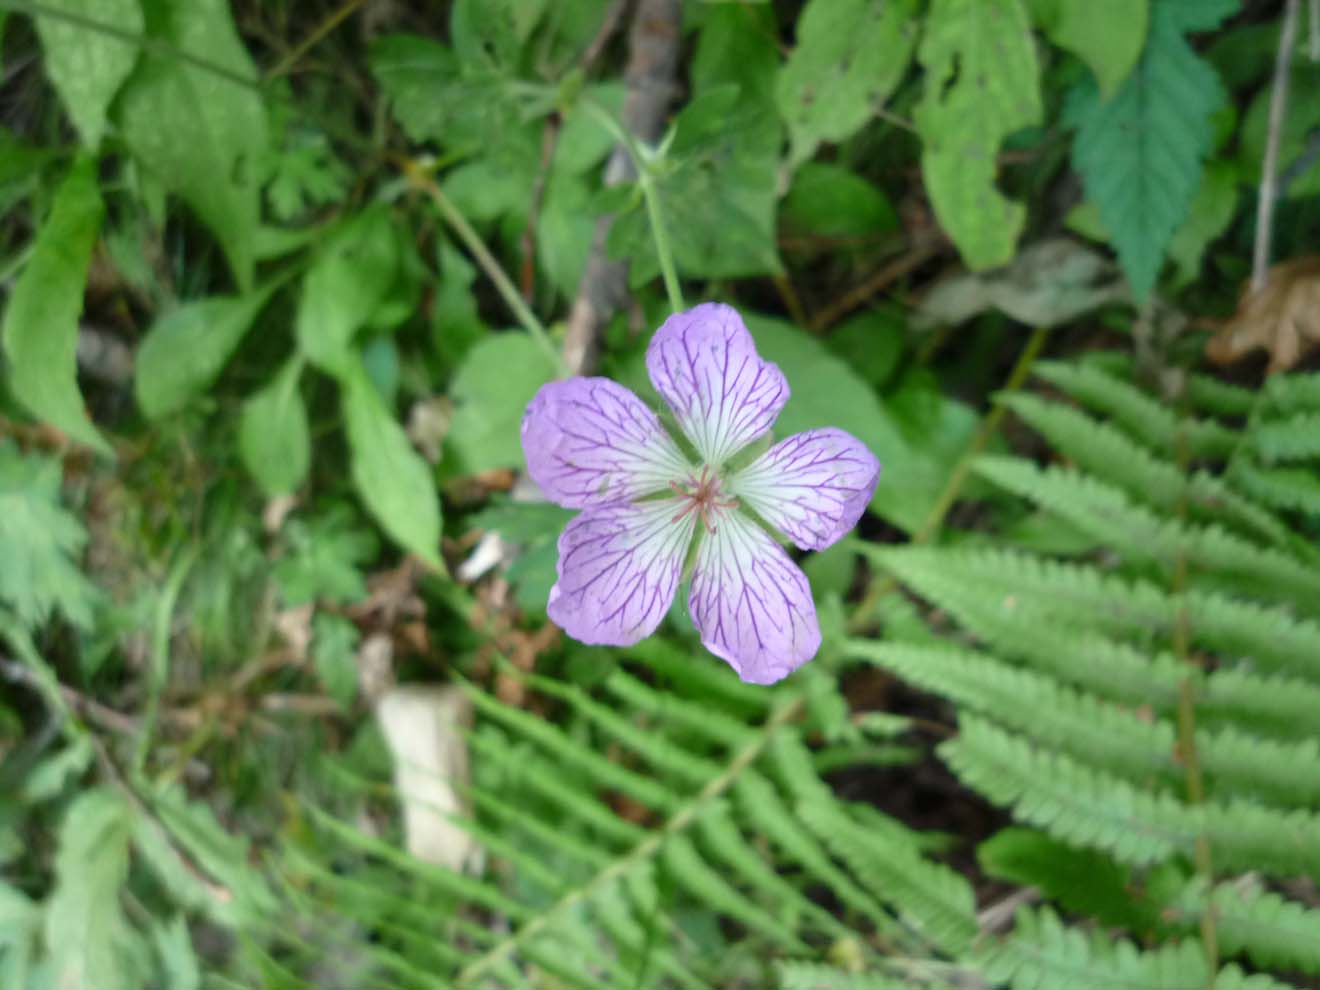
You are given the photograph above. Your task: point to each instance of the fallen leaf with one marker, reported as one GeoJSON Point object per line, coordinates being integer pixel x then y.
{"type": "Point", "coordinates": [1049, 283]}
{"type": "Point", "coordinates": [1282, 317]}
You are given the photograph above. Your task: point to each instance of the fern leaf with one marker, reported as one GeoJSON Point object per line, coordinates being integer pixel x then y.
{"type": "Point", "coordinates": [1270, 930]}
{"type": "Point", "coordinates": [1287, 488]}
{"type": "Point", "coordinates": [1111, 455]}
{"type": "Point", "coordinates": [1098, 811]}
{"type": "Point", "coordinates": [614, 913]}
{"type": "Point", "coordinates": [761, 806]}
{"type": "Point", "coordinates": [1293, 439]}
{"type": "Point", "coordinates": [648, 791]}
{"type": "Point", "coordinates": [813, 976]}
{"type": "Point", "coordinates": [693, 675]}
{"type": "Point", "coordinates": [1219, 398]}
{"type": "Point", "coordinates": [705, 722]}
{"type": "Point", "coordinates": [1084, 597]}
{"type": "Point", "coordinates": [1108, 515]}
{"type": "Point", "coordinates": [1043, 952]}
{"type": "Point", "coordinates": [1293, 392]}
{"type": "Point", "coordinates": [1141, 152]}
{"type": "Point", "coordinates": [1136, 412]}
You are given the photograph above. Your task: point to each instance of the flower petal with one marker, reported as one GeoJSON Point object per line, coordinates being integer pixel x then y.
{"type": "Point", "coordinates": [619, 567]}
{"type": "Point", "coordinates": [751, 604]}
{"type": "Point", "coordinates": [704, 363]}
{"type": "Point", "coordinates": [812, 487]}
{"type": "Point", "coordinates": [590, 441]}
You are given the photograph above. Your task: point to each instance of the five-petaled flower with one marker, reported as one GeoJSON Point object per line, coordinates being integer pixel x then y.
{"type": "Point", "coordinates": [591, 444]}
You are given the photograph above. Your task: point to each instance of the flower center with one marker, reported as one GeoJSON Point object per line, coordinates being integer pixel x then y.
{"type": "Point", "coordinates": [701, 496]}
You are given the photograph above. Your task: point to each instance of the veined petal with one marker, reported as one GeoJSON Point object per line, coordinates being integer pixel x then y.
{"type": "Point", "coordinates": [619, 567]}
{"type": "Point", "coordinates": [590, 441]}
{"type": "Point", "coordinates": [704, 364]}
{"type": "Point", "coordinates": [751, 604]}
{"type": "Point", "coordinates": [812, 487]}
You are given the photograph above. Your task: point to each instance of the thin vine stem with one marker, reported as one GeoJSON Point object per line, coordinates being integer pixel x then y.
{"type": "Point", "coordinates": [420, 178]}
{"type": "Point", "coordinates": [957, 478]}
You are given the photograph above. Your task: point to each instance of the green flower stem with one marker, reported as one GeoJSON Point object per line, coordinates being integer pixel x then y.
{"type": "Point", "coordinates": [953, 488]}
{"type": "Point", "coordinates": [420, 179]}
{"type": "Point", "coordinates": [646, 182]}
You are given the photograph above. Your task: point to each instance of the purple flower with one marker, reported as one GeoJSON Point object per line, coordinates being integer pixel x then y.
{"type": "Point", "coordinates": [591, 444]}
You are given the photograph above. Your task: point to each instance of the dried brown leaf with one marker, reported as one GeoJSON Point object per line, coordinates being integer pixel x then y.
{"type": "Point", "coordinates": [1283, 317]}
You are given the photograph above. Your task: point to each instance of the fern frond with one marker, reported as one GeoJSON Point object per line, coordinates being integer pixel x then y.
{"type": "Point", "coordinates": [1114, 457]}
{"type": "Point", "coordinates": [1099, 734]}
{"type": "Point", "coordinates": [1295, 392]}
{"type": "Point", "coordinates": [1294, 439]}
{"type": "Point", "coordinates": [1287, 488]}
{"type": "Point", "coordinates": [812, 976]}
{"type": "Point", "coordinates": [1084, 597]}
{"type": "Point", "coordinates": [1110, 517]}
{"type": "Point", "coordinates": [1219, 398]}
{"type": "Point", "coordinates": [1268, 929]}
{"type": "Point", "coordinates": [1043, 952]}
{"type": "Point", "coordinates": [705, 722]}
{"type": "Point", "coordinates": [1137, 413]}
{"type": "Point", "coordinates": [1099, 811]}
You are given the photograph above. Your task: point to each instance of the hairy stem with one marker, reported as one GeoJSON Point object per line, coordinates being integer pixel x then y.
{"type": "Point", "coordinates": [662, 248]}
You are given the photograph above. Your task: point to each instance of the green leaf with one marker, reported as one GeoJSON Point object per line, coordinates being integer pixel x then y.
{"type": "Point", "coordinates": [830, 201]}
{"type": "Point", "coordinates": [393, 480]}
{"type": "Point", "coordinates": [346, 285]}
{"type": "Point", "coordinates": [49, 777]}
{"type": "Point", "coordinates": [981, 85]}
{"type": "Point", "coordinates": [491, 390]}
{"type": "Point", "coordinates": [37, 574]}
{"type": "Point", "coordinates": [1211, 213]}
{"type": "Point", "coordinates": [40, 330]}
{"type": "Point", "coordinates": [1300, 121]}
{"type": "Point", "coordinates": [1140, 153]}
{"type": "Point", "coordinates": [1108, 37]}
{"type": "Point", "coordinates": [185, 350]}
{"type": "Point", "coordinates": [87, 66]}
{"type": "Point", "coordinates": [850, 56]}
{"type": "Point", "coordinates": [20, 924]}
{"type": "Point", "coordinates": [334, 650]}
{"type": "Point", "coordinates": [85, 926]}
{"type": "Point", "coordinates": [273, 436]}
{"type": "Point", "coordinates": [325, 558]}
{"type": "Point", "coordinates": [196, 132]}
{"type": "Point", "coordinates": [178, 959]}
{"type": "Point", "coordinates": [717, 190]}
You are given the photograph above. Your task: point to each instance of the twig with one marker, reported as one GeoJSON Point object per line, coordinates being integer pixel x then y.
{"type": "Point", "coordinates": [652, 63]}
{"type": "Point", "coordinates": [922, 251]}
{"type": "Point", "coordinates": [953, 487]}
{"type": "Point", "coordinates": [1260, 256]}
{"type": "Point", "coordinates": [313, 39]}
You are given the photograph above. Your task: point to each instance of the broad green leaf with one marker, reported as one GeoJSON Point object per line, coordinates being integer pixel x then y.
{"type": "Point", "coordinates": [491, 390]}
{"type": "Point", "coordinates": [40, 330]}
{"type": "Point", "coordinates": [85, 925]}
{"type": "Point", "coordinates": [414, 73]}
{"type": "Point", "coordinates": [20, 926]}
{"type": "Point", "coordinates": [347, 283]}
{"type": "Point", "coordinates": [717, 190]}
{"type": "Point", "coordinates": [87, 66]}
{"type": "Point", "coordinates": [184, 351]}
{"type": "Point", "coordinates": [850, 56]}
{"type": "Point", "coordinates": [49, 777]}
{"type": "Point", "coordinates": [917, 436]}
{"type": "Point", "coordinates": [1140, 153]}
{"type": "Point", "coordinates": [38, 571]}
{"type": "Point", "coordinates": [982, 84]}
{"type": "Point", "coordinates": [198, 133]}
{"type": "Point", "coordinates": [393, 480]}
{"type": "Point", "coordinates": [326, 557]}
{"type": "Point", "coordinates": [832, 202]}
{"type": "Point", "coordinates": [273, 436]}
{"type": "Point", "coordinates": [1211, 213]}
{"type": "Point", "coordinates": [1108, 36]}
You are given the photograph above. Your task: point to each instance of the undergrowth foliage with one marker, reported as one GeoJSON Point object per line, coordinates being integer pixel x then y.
{"type": "Point", "coordinates": [1139, 684]}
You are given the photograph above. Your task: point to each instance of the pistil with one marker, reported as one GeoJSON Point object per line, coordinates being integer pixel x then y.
{"type": "Point", "coordinates": [702, 496]}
